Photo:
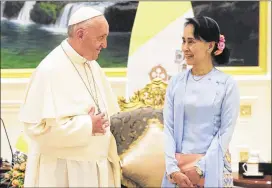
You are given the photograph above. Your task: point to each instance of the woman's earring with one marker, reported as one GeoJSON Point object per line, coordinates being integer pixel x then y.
{"type": "Point", "coordinates": [210, 48]}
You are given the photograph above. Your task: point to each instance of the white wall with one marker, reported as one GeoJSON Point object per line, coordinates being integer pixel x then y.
{"type": "Point", "coordinates": [254, 131]}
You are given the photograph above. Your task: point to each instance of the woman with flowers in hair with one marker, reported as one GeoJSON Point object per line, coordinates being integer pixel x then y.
{"type": "Point", "coordinates": [200, 112]}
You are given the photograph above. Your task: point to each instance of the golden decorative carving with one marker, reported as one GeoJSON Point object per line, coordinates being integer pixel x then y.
{"type": "Point", "coordinates": [245, 110]}
{"type": "Point", "coordinates": [158, 72]}
{"type": "Point", "coordinates": [152, 95]}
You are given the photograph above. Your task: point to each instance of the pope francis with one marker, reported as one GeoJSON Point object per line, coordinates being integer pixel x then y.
{"type": "Point", "coordinates": [66, 111]}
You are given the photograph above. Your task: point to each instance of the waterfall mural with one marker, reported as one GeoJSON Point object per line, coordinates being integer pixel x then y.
{"type": "Point", "coordinates": [63, 19]}
{"type": "Point", "coordinates": [24, 15]}
{"type": "Point", "coordinates": [29, 34]}
{"type": "Point", "coordinates": [60, 26]}
{"type": "Point", "coordinates": [2, 9]}
{"type": "Point", "coordinates": [24, 45]}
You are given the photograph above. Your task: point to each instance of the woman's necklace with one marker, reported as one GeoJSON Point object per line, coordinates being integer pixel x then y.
{"type": "Point", "coordinates": [202, 76]}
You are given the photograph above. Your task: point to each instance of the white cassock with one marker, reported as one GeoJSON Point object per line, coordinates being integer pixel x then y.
{"type": "Point", "coordinates": [63, 152]}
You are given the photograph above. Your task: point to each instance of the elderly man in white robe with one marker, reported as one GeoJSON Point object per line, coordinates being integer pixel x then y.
{"type": "Point", "coordinates": [67, 109]}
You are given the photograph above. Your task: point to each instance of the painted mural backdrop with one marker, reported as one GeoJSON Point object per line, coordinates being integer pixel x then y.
{"type": "Point", "coordinates": [31, 29]}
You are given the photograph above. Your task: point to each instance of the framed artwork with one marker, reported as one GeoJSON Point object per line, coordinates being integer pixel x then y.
{"type": "Point", "coordinates": [31, 29]}
{"type": "Point", "coordinates": [244, 25]}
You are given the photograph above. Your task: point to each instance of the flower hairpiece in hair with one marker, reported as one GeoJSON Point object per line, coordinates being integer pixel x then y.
{"type": "Point", "coordinates": [220, 45]}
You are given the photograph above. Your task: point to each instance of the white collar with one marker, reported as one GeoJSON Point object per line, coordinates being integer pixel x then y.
{"type": "Point", "coordinates": [71, 53]}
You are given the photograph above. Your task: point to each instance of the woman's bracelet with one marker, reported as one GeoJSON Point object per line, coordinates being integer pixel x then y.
{"type": "Point", "coordinates": [199, 171]}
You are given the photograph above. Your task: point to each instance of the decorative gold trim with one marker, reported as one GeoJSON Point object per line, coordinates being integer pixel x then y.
{"type": "Point", "coordinates": [26, 73]}
{"type": "Point", "coordinates": [152, 95]}
{"type": "Point", "coordinates": [161, 74]}
{"type": "Point", "coordinates": [115, 72]}
{"type": "Point", "coordinates": [263, 47]}
{"type": "Point", "coordinates": [240, 70]}
{"type": "Point", "coordinates": [228, 156]}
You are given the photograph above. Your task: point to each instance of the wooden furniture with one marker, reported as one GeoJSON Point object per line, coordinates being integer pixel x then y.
{"type": "Point", "coordinates": [138, 130]}
{"type": "Point", "coordinates": [240, 181]}
{"type": "Point", "coordinates": [152, 95]}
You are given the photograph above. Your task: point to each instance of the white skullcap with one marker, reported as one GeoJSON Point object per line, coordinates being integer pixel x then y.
{"type": "Point", "coordinates": [82, 14]}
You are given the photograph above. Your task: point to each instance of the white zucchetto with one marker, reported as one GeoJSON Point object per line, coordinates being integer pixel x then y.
{"type": "Point", "coordinates": [82, 14]}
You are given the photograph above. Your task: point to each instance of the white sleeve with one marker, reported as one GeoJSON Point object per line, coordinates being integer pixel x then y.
{"type": "Point", "coordinates": [71, 132]}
